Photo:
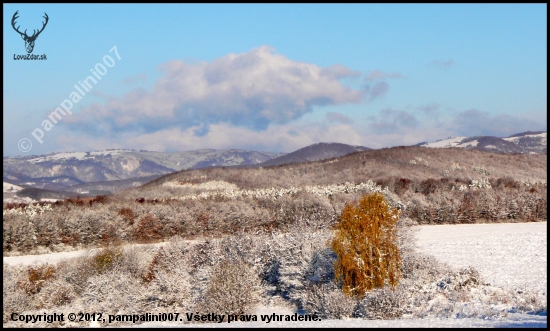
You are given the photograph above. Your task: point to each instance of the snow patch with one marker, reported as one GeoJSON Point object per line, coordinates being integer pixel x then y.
{"type": "Point", "coordinates": [541, 136]}
{"type": "Point", "coordinates": [77, 155]}
{"type": "Point", "coordinates": [48, 200]}
{"type": "Point", "coordinates": [472, 143]}
{"type": "Point", "coordinates": [10, 188]}
{"type": "Point", "coordinates": [26, 200]}
{"type": "Point", "coordinates": [445, 143]}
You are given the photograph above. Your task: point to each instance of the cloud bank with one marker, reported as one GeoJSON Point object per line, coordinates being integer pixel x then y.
{"type": "Point", "coordinates": [251, 101]}
{"type": "Point", "coordinates": [277, 138]}
{"type": "Point", "coordinates": [252, 90]}
{"type": "Point", "coordinates": [390, 127]}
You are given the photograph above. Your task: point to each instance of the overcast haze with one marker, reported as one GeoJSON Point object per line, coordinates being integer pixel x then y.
{"type": "Point", "coordinates": [274, 77]}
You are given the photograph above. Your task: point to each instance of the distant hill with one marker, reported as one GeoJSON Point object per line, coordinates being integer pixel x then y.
{"type": "Point", "coordinates": [315, 152]}
{"type": "Point", "coordinates": [27, 193]}
{"type": "Point", "coordinates": [378, 165]}
{"type": "Point", "coordinates": [107, 187]}
{"type": "Point", "coordinates": [531, 141]}
{"type": "Point", "coordinates": [32, 194]}
{"type": "Point", "coordinates": [527, 133]}
{"type": "Point", "coordinates": [525, 143]}
{"type": "Point", "coordinates": [109, 168]}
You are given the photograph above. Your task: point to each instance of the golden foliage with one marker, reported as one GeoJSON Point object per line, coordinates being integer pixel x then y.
{"type": "Point", "coordinates": [36, 279]}
{"type": "Point", "coordinates": [366, 244]}
{"type": "Point", "coordinates": [105, 258]}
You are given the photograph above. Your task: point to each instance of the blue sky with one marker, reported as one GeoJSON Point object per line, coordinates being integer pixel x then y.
{"type": "Point", "coordinates": [273, 77]}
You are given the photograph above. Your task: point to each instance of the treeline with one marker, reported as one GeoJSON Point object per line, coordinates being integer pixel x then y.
{"type": "Point", "coordinates": [117, 219]}
{"type": "Point", "coordinates": [479, 206]}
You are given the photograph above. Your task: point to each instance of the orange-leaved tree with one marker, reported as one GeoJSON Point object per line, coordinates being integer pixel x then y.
{"type": "Point", "coordinates": [366, 245]}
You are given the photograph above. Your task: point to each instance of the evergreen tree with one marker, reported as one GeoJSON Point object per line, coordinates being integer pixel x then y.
{"type": "Point", "coordinates": [467, 211]}
{"type": "Point", "coordinates": [513, 209]}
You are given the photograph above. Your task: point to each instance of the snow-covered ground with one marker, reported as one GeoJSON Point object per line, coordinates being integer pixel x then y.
{"type": "Point", "coordinates": [10, 188]}
{"type": "Point", "coordinates": [450, 142]}
{"type": "Point", "coordinates": [516, 140]}
{"type": "Point", "coordinates": [508, 255]}
{"type": "Point", "coordinates": [512, 321]}
{"type": "Point", "coordinates": [457, 141]}
{"type": "Point", "coordinates": [76, 155]}
{"type": "Point", "coordinates": [53, 258]}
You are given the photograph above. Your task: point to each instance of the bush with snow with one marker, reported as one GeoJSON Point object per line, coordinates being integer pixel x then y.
{"type": "Point", "coordinates": [234, 289]}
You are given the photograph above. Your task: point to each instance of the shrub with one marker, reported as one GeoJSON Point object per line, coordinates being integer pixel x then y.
{"type": "Point", "coordinates": [36, 277]}
{"type": "Point", "coordinates": [299, 258]}
{"type": "Point", "coordinates": [106, 258]}
{"type": "Point", "coordinates": [14, 299]}
{"type": "Point", "coordinates": [154, 266]}
{"type": "Point", "coordinates": [56, 293]}
{"type": "Point", "coordinates": [170, 288]}
{"type": "Point", "coordinates": [428, 186]}
{"type": "Point", "coordinates": [128, 215]}
{"type": "Point", "coordinates": [149, 229]}
{"type": "Point", "coordinates": [328, 301]}
{"type": "Point", "coordinates": [366, 245]}
{"type": "Point", "coordinates": [381, 304]}
{"type": "Point", "coordinates": [234, 288]}
{"type": "Point", "coordinates": [113, 292]}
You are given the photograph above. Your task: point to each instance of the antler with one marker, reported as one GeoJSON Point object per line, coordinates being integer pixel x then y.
{"type": "Point", "coordinates": [35, 34]}
{"type": "Point", "coordinates": [17, 28]}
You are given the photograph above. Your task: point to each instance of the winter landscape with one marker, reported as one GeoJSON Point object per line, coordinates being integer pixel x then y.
{"type": "Point", "coordinates": [472, 242]}
{"type": "Point", "coordinates": [268, 169]}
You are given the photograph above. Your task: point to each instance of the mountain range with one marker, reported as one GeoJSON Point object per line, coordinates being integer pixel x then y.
{"type": "Point", "coordinates": [102, 172]}
{"type": "Point", "coordinates": [71, 171]}
{"type": "Point", "coordinates": [316, 152]}
{"type": "Point", "coordinates": [524, 143]}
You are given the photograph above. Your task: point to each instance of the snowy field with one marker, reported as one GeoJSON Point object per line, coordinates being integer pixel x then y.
{"type": "Point", "coordinates": [512, 256]}
{"type": "Point", "coordinates": [509, 255]}
{"type": "Point", "coordinates": [517, 321]}
{"type": "Point", "coordinates": [10, 188]}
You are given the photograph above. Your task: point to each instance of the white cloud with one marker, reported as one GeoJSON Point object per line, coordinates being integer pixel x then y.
{"type": "Point", "coordinates": [285, 138]}
{"type": "Point", "coordinates": [338, 118]}
{"type": "Point", "coordinates": [253, 90]}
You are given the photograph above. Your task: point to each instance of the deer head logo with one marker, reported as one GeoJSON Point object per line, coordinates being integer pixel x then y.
{"type": "Point", "coordinates": [29, 40]}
